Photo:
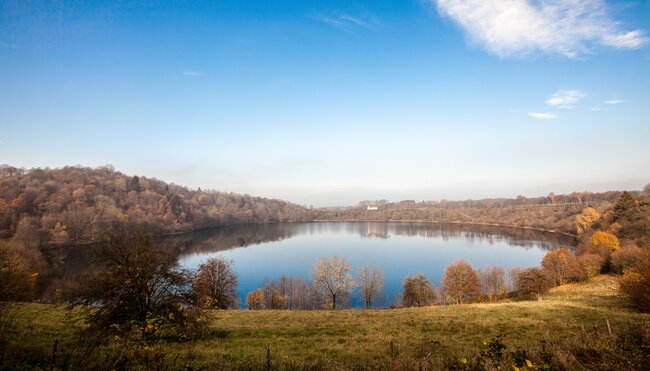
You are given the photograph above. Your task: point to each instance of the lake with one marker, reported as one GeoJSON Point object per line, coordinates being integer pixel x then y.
{"type": "Point", "coordinates": [265, 252]}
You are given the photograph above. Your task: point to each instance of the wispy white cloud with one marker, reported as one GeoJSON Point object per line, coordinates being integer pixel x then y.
{"type": "Point", "coordinates": [191, 73]}
{"type": "Point", "coordinates": [542, 115]}
{"type": "Point", "coordinates": [630, 40]}
{"type": "Point", "coordinates": [511, 28]}
{"type": "Point", "coordinates": [614, 101]}
{"type": "Point", "coordinates": [565, 98]}
{"type": "Point", "coordinates": [349, 22]}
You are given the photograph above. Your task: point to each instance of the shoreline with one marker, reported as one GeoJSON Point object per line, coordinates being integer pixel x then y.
{"type": "Point", "coordinates": [447, 222]}
{"type": "Point", "coordinates": [46, 247]}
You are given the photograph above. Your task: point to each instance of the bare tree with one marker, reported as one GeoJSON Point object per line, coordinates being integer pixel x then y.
{"type": "Point", "coordinates": [493, 283]}
{"type": "Point", "coordinates": [371, 283]}
{"type": "Point", "coordinates": [215, 285]}
{"type": "Point", "coordinates": [460, 281]}
{"type": "Point", "coordinates": [513, 275]}
{"type": "Point", "coordinates": [332, 278]}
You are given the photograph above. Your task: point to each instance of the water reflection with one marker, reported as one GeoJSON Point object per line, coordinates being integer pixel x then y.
{"type": "Point", "coordinates": [231, 237]}
{"type": "Point", "coordinates": [263, 252]}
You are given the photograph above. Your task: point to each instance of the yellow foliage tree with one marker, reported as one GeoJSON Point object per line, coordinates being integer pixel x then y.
{"type": "Point", "coordinates": [585, 219]}
{"type": "Point", "coordinates": [255, 299]}
{"type": "Point", "coordinates": [605, 239]}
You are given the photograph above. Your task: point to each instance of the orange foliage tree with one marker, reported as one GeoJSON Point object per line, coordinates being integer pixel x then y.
{"type": "Point", "coordinates": [460, 282]}
{"type": "Point", "coordinates": [561, 266]}
{"type": "Point", "coordinates": [255, 300]}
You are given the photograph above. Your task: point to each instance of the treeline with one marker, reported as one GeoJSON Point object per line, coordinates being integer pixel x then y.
{"type": "Point", "coordinates": [552, 213]}
{"type": "Point", "coordinates": [75, 204]}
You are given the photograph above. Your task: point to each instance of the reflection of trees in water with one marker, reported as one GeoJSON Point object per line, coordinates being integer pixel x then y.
{"type": "Point", "coordinates": [525, 238]}
{"type": "Point", "coordinates": [228, 238]}
{"type": "Point", "coordinates": [69, 266]}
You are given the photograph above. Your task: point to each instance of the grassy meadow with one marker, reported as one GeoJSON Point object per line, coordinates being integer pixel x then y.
{"type": "Point", "coordinates": [391, 338]}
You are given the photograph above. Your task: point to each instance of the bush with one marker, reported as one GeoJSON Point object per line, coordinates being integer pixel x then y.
{"type": "Point", "coordinates": [626, 258]}
{"type": "Point", "coordinates": [592, 264]}
{"type": "Point", "coordinates": [140, 283]}
{"type": "Point", "coordinates": [533, 281]}
{"type": "Point", "coordinates": [635, 283]}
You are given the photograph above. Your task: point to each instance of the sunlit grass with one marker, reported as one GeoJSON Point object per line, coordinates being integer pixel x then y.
{"type": "Point", "coordinates": [366, 335]}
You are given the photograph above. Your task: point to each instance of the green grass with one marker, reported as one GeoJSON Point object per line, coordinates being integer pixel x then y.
{"type": "Point", "coordinates": [365, 336]}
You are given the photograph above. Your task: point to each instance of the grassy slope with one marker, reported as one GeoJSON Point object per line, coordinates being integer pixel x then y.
{"type": "Point", "coordinates": [357, 335]}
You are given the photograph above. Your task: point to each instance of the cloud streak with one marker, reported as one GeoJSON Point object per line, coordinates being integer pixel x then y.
{"type": "Point", "coordinates": [514, 28]}
{"type": "Point", "coordinates": [348, 22]}
{"type": "Point", "coordinates": [614, 101]}
{"type": "Point", "coordinates": [565, 98]}
{"type": "Point", "coordinates": [542, 115]}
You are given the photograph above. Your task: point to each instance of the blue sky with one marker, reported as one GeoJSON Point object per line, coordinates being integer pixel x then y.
{"type": "Point", "coordinates": [332, 102]}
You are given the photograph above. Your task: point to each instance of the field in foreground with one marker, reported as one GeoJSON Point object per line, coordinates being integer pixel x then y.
{"type": "Point", "coordinates": [375, 337]}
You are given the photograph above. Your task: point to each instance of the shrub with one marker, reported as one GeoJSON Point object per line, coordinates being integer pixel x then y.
{"type": "Point", "coordinates": [140, 283]}
{"type": "Point", "coordinates": [636, 281]}
{"type": "Point", "coordinates": [592, 264]}
{"type": "Point", "coordinates": [626, 258]}
{"type": "Point", "coordinates": [533, 281]}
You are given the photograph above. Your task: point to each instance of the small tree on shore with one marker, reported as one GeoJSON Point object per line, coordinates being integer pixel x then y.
{"type": "Point", "coordinates": [215, 284]}
{"type": "Point", "coordinates": [371, 282]}
{"type": "Point", "coordinates": [418, 291]}
{"type": "Point", "coordinates": [255, 300]}
{"type": "Point", "coordinates": [332, 278]}
{"type": "Point", "coordinates": [561, 266]}
{"type": "Point", "coordinates": [460, 282]}
{"type": "Point", "coordinates": [533, 281]}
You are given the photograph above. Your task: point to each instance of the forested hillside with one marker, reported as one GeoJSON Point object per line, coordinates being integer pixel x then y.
{"type": "Point", "coordinates": [76, 204]}
{"type": "Point", "coordinates": [552, 213]}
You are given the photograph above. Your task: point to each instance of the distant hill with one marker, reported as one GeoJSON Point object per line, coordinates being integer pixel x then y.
{"type": "Point", "coordinates": [76, 204]}
{"type": "Point", "coordinates": [554, 213]}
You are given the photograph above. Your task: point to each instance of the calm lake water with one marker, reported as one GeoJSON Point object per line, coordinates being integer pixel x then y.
{"type": "Point", "coordinates": [266, 252]}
